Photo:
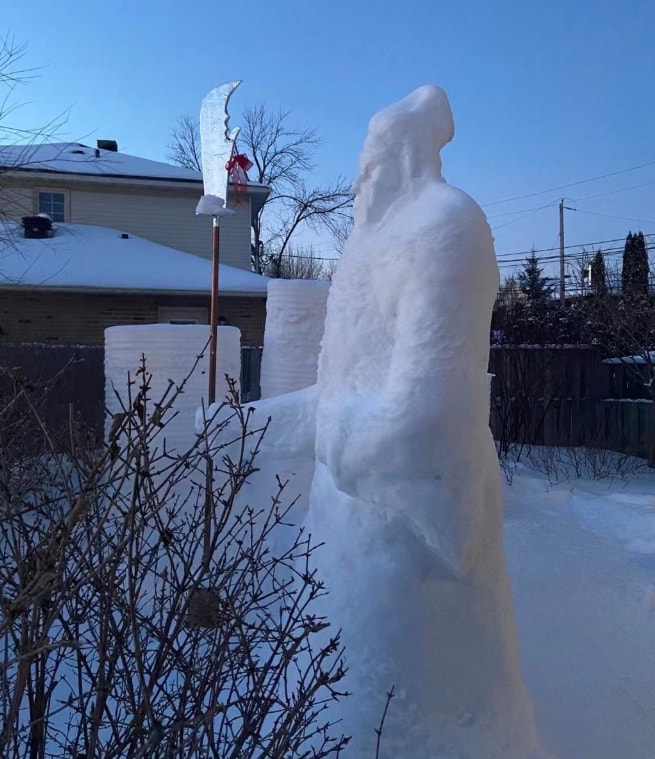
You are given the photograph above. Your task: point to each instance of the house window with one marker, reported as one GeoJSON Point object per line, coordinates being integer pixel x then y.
{"type": "Point", "coordinates": [183, 315]}
{"type": "Point", "coordinates": [54, 203]}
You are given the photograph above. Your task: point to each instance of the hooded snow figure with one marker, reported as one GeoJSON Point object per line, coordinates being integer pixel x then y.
{"type": "Point", "coordinates": [406, 492]}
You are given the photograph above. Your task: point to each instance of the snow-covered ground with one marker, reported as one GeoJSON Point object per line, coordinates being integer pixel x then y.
{"type": "Point", "coordinates": [581, 556]}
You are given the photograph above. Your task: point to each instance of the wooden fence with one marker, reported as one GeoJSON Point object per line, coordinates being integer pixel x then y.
{"type": "Point", "coordinates": [74, 378]}
{"type": "Point", "coordinates": [68, 382]}
{"type": "Point", "coordinates": [570, 397]}
{"type": "Point", "coordinates": [540, 396]}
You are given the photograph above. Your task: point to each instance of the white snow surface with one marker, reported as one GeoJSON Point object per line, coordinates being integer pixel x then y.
{"type": "Point", "coordinates": [581, 559]}
{"type": "Point", "coordinates": [581, 556]}
{"type": "Point", "coordinates": [212, 205]}
{"type": "Point", "coordinates": [81, 256]}
{"type": "Point", "coordinates": [295, 321]}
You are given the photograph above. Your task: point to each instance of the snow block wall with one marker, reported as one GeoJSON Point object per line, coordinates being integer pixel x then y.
{"type": "Point", "coordinates": [171, 350]}
{"type": "Point", "coordinates": [295, 319]}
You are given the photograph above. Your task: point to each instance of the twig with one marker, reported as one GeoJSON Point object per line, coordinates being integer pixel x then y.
{"type": "Point", "coordinates": [378, 730]}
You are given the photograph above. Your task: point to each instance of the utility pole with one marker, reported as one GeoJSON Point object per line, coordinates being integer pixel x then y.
{"type": "Point", "coordinates": [562, 277]}
{"type": "Point", "coordinates": [562, 291]}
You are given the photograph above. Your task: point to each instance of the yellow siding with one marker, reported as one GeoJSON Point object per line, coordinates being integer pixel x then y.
{"type": "Point", "coordinates": [164, 216]}
{"type": "Point", "coordinates": [15, 202]}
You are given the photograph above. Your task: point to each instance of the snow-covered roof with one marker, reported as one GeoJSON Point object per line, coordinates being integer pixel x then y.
{"type": "Point", "coordinates": [76, 158]}
{"type": "Point", "coordinates": [85, 257]}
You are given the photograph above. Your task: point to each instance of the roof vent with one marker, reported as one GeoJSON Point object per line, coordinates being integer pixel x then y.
{"type": "Point", "coordinates": [111, 145]}
{"type": "Point", "coordinates": [37, 227]}
{"type": "Point", "coordinates": [77, 151]}
{"type": "Point", "coordinates": [125, 236]}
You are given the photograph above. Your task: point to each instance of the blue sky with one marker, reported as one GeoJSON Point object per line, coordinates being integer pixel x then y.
{"type": "Point", "coordinates": [544, 94]}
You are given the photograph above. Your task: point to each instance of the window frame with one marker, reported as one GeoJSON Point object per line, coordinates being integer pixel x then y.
{"type": "Point", "coordinates": [53, 191]}
{"type": "Point", "coordinates": [183, 315]}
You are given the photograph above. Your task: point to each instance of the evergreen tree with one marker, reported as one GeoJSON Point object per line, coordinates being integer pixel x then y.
{"type": "Point", "coordinates": [532, 283]}
{"type": "Point", "coordinates": [641, 264]}
{"type": "Point", "coordinates": [627, 269]}
{"type": "Point", "coordinates": [598, 274]}
{"type": "Point", "coordinates": [634, 275]}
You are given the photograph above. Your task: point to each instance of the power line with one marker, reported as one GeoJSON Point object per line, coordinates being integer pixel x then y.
{"type": "Point", "coordinates": [524, 210]}
{"type": "Point", "coordinates": [504, 263]}
{"type": "Point", "coordinates": [566, 247]}
{"type": "Point", "coordinates": [614, 192]}
{"type": "Point", "coordinates": [611, 216]}
{"type": "Point", "coordinates": [570, 184]}
{"type": "Point", "coordinates": [309, 258]}
{"type": "Point", "coordinates": [520, 218]}
{"type": "Point", "coordinates": [555, 258]}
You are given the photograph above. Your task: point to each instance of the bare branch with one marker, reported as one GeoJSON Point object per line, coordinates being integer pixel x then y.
{"type": "Point", "coordinates": [283, 157]}
{"type": "Point", "coordinates": [184, 146]}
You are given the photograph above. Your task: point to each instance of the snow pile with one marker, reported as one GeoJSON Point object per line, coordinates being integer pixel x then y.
{"type": "Point", "coordinates": [171, 352]}
{"type": "Point", "coordinates": [295, 320]}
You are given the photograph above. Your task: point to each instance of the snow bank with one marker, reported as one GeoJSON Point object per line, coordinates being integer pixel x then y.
{"type": "Point", "coordinates": [295, 320]}
{"type": "Point", "coordinates": [171, 352]}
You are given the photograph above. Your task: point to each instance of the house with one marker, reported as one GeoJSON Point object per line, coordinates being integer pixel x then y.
{"type": "Point", "coordinates": [77, 184]}
{"type": "Point", "coordinates": [68, 288]}
{"type": "Point", "coordinates": [147, 210]}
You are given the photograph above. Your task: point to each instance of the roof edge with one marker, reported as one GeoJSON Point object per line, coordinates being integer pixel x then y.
{"type": "Point", "coordinates": [128, 291]}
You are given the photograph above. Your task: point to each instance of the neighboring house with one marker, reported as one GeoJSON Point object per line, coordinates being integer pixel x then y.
{"type": "Point", "coordinates": [70, 287]}
{"type": "Point", "coordinates": [87, 277]}
{"type": "Point", "coordinates": [77, 184]}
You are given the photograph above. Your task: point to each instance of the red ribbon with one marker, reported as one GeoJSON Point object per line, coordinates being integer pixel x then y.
{"type": "Point", "coordinates": [237, 167]}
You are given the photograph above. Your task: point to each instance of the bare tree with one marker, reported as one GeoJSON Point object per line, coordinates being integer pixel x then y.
{"type": "Point", "coordinates": [184, 146]}
{"type": "Point", "coordinates": [283, 160]}
{"type": "Point", "coordinates": [13, 74]}
{"type": "Point", "coordinates": [300, 263]}
{"type": "Point", "coordinates": [134, 623]}
{"type": "Point", "coordinates": [578, 270]}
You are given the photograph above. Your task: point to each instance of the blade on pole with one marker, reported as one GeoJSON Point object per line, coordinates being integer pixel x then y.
{"type": "Point", "coordinates": [216, 145]}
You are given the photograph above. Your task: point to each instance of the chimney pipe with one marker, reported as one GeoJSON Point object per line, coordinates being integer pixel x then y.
{"type": "Point", "coordinates": [110, 145]}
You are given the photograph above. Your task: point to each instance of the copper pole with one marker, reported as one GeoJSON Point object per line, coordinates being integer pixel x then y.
{"type": "Point", "coordinates": [211, 394]}
{"type": "Point", "coordinates": [213, 316]}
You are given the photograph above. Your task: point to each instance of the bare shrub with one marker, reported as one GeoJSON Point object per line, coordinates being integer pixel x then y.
{"type": "Point", "coordinates": [145, 612]}
{"type": "Point", "coordinates": [580, 462]}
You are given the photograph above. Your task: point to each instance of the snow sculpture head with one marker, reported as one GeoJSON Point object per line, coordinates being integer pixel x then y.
{"type": "Point", "coordinates": [402, 145]}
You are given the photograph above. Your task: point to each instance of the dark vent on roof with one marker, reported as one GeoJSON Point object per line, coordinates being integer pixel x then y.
{"type": "Point", "coordinates": [37, 227]}
{"type": "Point", "coordinates": [77, 151]}
{"type": "Point", "coordinates": [108, 145]}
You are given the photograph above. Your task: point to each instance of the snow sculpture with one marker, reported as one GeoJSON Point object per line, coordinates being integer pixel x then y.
{"type": "Point", "coordinates": [295, 320]}
{"type": "Point", "coordinates": [171, 350]}
{"type": "Point", "coordinates": [406, 491]}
